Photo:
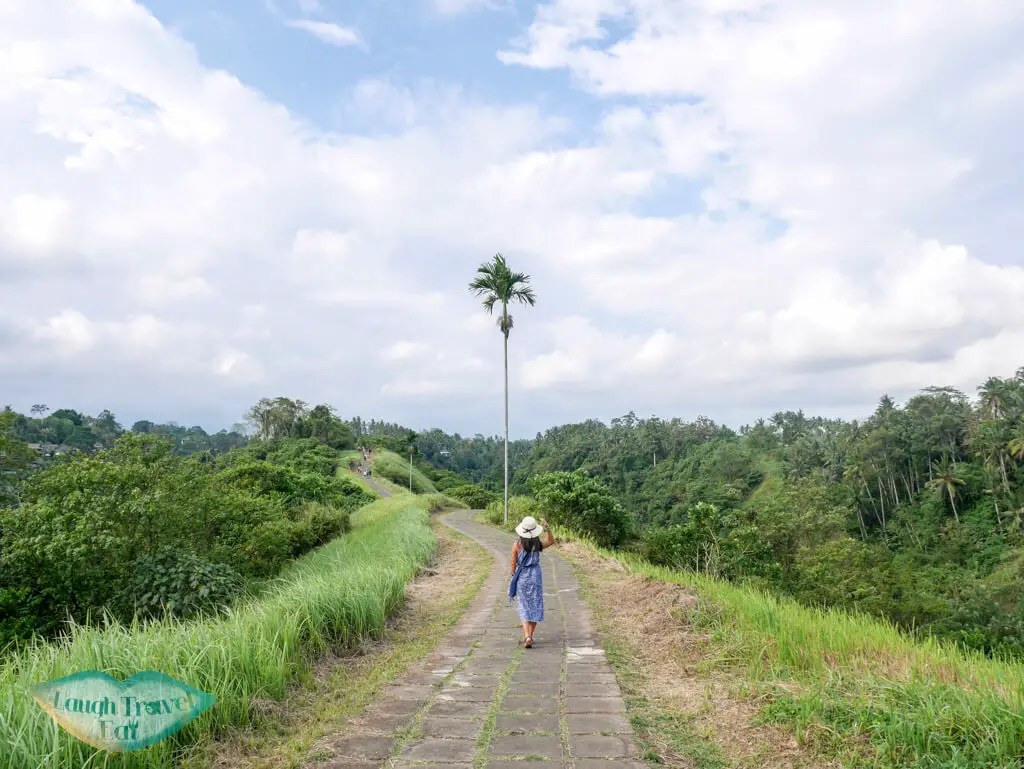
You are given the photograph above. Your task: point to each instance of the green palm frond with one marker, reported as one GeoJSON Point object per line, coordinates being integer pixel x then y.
{"type": "Point", "coordinates": [496, 284]}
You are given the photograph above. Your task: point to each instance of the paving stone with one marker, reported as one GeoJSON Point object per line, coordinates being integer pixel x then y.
{"type": "Point", "coordinates": [466, 694]}
{"type": "Point", "coordinates": [606, 763]}
{"type": "Point", "coordinates": [592, 690]}
{"type": "Point", "coordinates": [540, 672]}
{"type": "Point", "coordinates": [527, 745]}
{"type": "Point", "coordinates": [576, 661]}
{"type": "Point", "coordinates": [534, 689]}
{"type": "Point", "coordinates": [450, 727]}
{"type": "Point", "coordinates": [533, 675]}
{"type": "Point", "coordinates": [410, 692]}
{"type": "Point", "coordinates": [543, 656]}
{"type": "Point", "coordinates": [440, 751]}
{"type": "Point", "coordinates": [494, 763]}
{"type": "Point", "coordinates": [526, 724]}
{"type": "Point", "coordinates": [399, 707]}
{"type": "Point", "coordinates": [531, 705]}
{"type": "Point", "coordinates": [384, 724]}
{"type": "Point", "coordinates": [595, 724]}
{"type": "Point", "coordinates": [363, 747]}
{"type": "Point", "coordinates": [487, 681]}
{"type": "Point", "coordinates": [449, 708]}
{"type": "Point", "coordinates": [407, 765]}
{"type": "Point", "coordinates": [594, 705]}
{"type": "Point", "coordinates": [348, 763]}
{"type": "Point", "coordinates": [492, 668]}
{"type": "Point", "coordinates": [597, 746]}
{"type": "Point", "coordinates": [577, 676]}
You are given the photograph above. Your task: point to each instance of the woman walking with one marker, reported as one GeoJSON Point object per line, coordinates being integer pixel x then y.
{"type": "Point", "coordinates": [527, 584]}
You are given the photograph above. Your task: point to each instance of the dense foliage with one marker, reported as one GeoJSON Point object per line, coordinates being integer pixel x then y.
{"type": "Point", "coordinates": [915, 513]}
{"type": "Point", "coordinates": [518, 508]}
{"type": "Point", "coordinates": [473, 497]}
{"type": "Point", "coordinates": [66, 431]}
{"type": "Point", "coordinates": [137, 529]}
{"type": "Point", "coordinates": [582, 503]}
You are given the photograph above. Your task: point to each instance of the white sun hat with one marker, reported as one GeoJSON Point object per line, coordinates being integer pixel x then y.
{"type": "Point", "coordinates": [529, 528]}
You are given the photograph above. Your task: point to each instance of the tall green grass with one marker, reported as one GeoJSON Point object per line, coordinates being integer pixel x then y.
{"type": "Point", "coordinates": [331, 598]}
{"type": "Point", "coordinates": [396, 469]}
{"type": "Point", "coordinates": [854, 685]}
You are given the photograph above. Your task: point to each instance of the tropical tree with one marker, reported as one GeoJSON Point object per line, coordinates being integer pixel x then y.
{"type": "Point", "coordinates": [947, 479]}
{"type": "Point", "coordinates": [1016, 443]}
{"type": "Point", "coordinates": [993, 395]}
{"type": "Point", "coordinates": [497, 284]}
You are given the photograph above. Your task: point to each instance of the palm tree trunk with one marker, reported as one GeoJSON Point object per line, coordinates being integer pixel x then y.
{"type": "Point", "coordinates": [952, 501]}
{"type": "Point", "coordinates": [506, 426]}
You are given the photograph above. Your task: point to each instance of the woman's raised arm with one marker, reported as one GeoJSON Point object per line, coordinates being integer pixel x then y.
{"type": "Point", "coordinates": [547, 530]}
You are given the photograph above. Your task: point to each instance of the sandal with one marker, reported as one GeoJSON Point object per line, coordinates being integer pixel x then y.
{"type": "Point", "coordinates": [529, 643]}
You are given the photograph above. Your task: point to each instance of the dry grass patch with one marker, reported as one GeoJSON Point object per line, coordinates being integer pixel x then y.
{"type": "Point", "coordinates": [669, 669]}
{"type": "Point", "coordinates": [286, 734]}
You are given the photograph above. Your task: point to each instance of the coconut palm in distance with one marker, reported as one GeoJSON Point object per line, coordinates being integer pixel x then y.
{"type": "Point", "coordinates": [497, 284]}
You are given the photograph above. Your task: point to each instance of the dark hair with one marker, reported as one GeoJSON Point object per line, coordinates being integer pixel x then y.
{"type": "Point", "coordinates": [530, 544]}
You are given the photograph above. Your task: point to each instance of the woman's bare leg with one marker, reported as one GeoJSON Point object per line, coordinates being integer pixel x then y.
{"type": "Point", "coordinates": [526, 630]}
{"type": "Point", "coordinates": [532, 627]}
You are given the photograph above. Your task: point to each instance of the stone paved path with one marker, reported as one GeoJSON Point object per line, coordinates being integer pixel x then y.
{"type": "Point", "coordinates": [481, 699]}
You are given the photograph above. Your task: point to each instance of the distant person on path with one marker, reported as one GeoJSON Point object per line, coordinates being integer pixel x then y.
{"type": "Point", "coordinates": [527, 585]}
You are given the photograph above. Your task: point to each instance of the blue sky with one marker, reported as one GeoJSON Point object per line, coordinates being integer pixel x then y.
{"type": "Point", "coordinates": [403, 41]}
{"type": "Point", "coordinates": [727, 208]}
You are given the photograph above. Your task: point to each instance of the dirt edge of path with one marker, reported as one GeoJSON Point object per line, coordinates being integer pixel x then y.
{"type": "Point", "coordinates": [657, 654]}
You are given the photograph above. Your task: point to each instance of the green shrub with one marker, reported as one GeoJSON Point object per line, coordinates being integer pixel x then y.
{"type": "Point", "coordinates": [270, 546]}
{"type": "Point", "coordinates": [326, 522]}
{"type": "Point", "coordinates": [446, 479]}
{"type": "Point", "coordinates": [92, 522]}
{"type": "Point", "coordinates": [179, 584]}
{"type": "Point", "coordinates": [723, 543]}
{"type": "Point", "coordinates": [518, 508]}
{"type": "Point", "coordinates": [438, 502]}
{"type": "Point", "coordinates": [582, 503]}
{"type": "Point", "coordinates": [22, 614]}
{"type": "Point", "coordinates": [472, 496]}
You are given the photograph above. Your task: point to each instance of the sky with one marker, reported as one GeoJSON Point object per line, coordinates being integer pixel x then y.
{"type": "Point", "coordinates": [727, 207]}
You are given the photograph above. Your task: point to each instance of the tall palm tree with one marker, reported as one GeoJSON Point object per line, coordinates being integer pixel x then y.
{"type": "Point", "coordinates": [993, 398]}
{"type": "Point", "coordinates": [497, 284]}
{"type": "Point", "coordinates": [1016, 442]}
{"type": "Point", "coordinates": [947, 479]}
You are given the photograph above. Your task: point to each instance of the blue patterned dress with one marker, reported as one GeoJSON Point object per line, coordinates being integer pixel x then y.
{"type": "Point", "coordinates": [527, 586]}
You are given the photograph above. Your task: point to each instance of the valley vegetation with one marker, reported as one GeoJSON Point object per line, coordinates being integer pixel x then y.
{"type": "Point", "coordinates": [914, 513]}
{"type": "Point", "coordinates": [148, 523]}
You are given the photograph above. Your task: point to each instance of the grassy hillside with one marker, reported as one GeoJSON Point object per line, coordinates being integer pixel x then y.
{"type": "Point", "coordinates": [396, 469]}
{"type": "Point", "coordinates": [348, 457]}
{"type": "Point", "coordinates": [332, 597]}
{"type": "Point", "coordinates": [851, 686]}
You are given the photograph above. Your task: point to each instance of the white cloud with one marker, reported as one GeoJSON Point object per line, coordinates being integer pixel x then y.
{"type": "Point", "coordinates": [329, 33]}
{"type": "Point", "coordinates": [457, 7]}
{"type": "Point", "coordinates": [782, 204]}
